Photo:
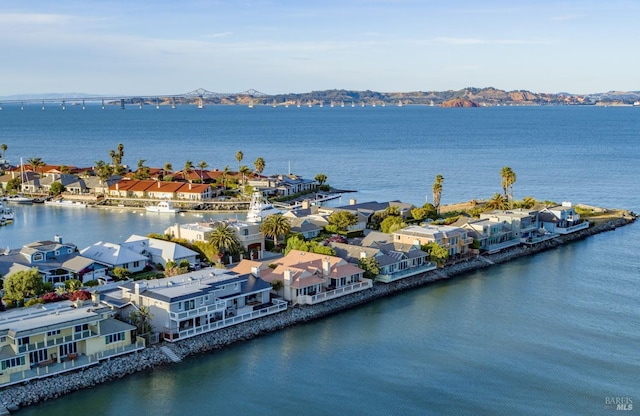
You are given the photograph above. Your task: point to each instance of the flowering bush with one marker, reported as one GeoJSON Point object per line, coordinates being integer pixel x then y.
{"type": "Point", "coordinates": [80, 295]}
{"type": "Point", "coordinates": [51, 297]}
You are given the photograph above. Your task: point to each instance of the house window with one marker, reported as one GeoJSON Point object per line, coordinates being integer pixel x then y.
{"type": "Point", "coordinates": [111, 338]}
{"type": "Point", "coordinates": [80, 328]}
{"type": "Point", "coordinates": [12, 362]}
{"type": "Point", "coordinates": [38, 257]}
{"type": "Point", "coordinates": [189, 304]}
{"type": "Point", "coordinates": [136, 264]}
{"type": "Point", "coordinates": [23, 341]}
{"type": "Point", "coordinates": [52, 333]}
{"type": "Point", "coordinates": [57, 252]}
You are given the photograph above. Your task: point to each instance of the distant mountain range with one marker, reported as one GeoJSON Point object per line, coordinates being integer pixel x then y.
{"type": "Point", "coordinates": [468, 97]}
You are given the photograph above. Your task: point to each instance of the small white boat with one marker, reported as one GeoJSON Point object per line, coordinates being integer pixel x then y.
{"type": "Point", "coordinates": [6, 214]}
{"type": "Point", "coordinates": [65, 203]}
{"type": "Point", "coordinates": [163, 207]}
{"type": "Point", "coordinates": [20, 199]}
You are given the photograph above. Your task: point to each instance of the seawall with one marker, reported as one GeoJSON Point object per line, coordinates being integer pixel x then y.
{"type": "Point", "coordinates": [36, 391]}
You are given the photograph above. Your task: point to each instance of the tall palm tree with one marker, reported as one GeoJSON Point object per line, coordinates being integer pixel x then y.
{"type": "Point", "coordinates": [225, 176]}
{"type": "Point", "coordinates": [259, 165]}
{"type": "Point", "coordinates": [244, 171]}
{"type": "Point", "coordinates": [508, 179]}
{"type": "Point", "coordinates": [239, 156]}
{"type": "Point", "coordinates": [4, 148]}
{"type": "Point", "coordinates": [188, 165]}
{"type": "Point", "coordinates": [224, 240]}
{"type": "Point", "coordinates": [202, 165]}
{"type": "Point", "coordinates": [437, 192]}
{"type": "Point", "coordinates": [275, 226]}
{"type": "Point", "coordinates": [166, 170]}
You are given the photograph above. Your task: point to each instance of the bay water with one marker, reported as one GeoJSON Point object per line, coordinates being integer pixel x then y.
{"type": "Point", "coordinates": [556, 333]}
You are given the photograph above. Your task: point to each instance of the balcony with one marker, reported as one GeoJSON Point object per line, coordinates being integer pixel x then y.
{"type": "Point", "coordinates": [392, 277]}
{"type": "Point", "coordinates": [335, 293]}
{"type": "Point", "coordinates": [46, 369]}
{"type": "Point", "coordinates": [173, 333]}
{"type": "Point", "coordinates": [217, 306]}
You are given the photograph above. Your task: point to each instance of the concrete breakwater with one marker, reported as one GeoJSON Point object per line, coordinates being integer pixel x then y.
{"type": "Point", "coordinates": [44, 389]}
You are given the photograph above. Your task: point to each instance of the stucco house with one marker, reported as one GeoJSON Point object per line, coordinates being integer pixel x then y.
{"type": "Point", "coordinates": [198, 302]}
{"type": "Point", "coordinates": [50, 339]}
{"type": "Point", "coordinates": [310, 278]}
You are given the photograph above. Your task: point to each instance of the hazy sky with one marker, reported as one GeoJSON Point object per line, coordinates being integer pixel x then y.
{"type": "Point", "coordinates": [277, 46]}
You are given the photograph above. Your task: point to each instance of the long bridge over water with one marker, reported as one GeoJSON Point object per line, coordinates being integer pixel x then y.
{"type": "Point", "coordinates": [198, 97]}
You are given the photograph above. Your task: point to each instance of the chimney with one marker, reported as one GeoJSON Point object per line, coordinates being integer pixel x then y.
{"type": "Point", "coordinates": [363, 254]}
{"type": "Point", "coordinates": [57, 239]}
{"type": "Point", "coordinates": [190, 185]}
{"type": "Point", "coordinates": [138, 286]}
{"type": "Point", "coordinates": [287, 277]}
{"type": "Point", "coordinates": [326, 266]}
{"type": "Point", "coordinates": [117, 186]}
{"type": "Point", "coordinates": [353, 201]}
{"type": "Point", "coordinates": [255, 271]}
{"type": "Point", "coordinates": [158, 184]}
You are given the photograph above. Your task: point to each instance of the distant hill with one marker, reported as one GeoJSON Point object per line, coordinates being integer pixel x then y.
{"type": "Point", "coordinates": [468, 97]}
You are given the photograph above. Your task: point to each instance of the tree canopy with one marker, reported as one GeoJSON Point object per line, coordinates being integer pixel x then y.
{"type": "Point", "coordinates": [23, 284]}
{"type": "Point", "coordinates": [342, 220]}
{"type": "Point", "coordinates": [275, 226]}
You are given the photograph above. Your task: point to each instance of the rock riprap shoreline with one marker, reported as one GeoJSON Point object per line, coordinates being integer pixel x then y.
{"type": "Point", "coordinates": [35, 391]}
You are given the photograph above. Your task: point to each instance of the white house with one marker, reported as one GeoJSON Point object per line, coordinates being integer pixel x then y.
{"type": "Point", "coordinates": [115, 255]}
{"type": "Point", "coordinates": [161, 251]}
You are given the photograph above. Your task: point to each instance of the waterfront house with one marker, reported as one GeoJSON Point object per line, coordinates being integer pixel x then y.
{"type": "Point", "coordinates": [491, 234]}
{"type": "Point", "coordinates": [161, 251]}
{"type": "Point", "coordinates": [194, 192]}
{"type": "Point", "coordinates": [365, 211]}
{"type": "Point", "coordinates": [248, 234]}
{"type": "Point", "coordinates": [282, 185]}
{"type": "Point", "coordinates": [56, 262]}
{"type": "Point", "coordinates": [310, 278]}
{"type": "Point", "coordinates": [521, 223]}
{"type": "Point", "coordinates": [45, 340]}
{"type": "Point", "coordinates": [562, 219]}
{"type": "Point", "coordinates": [396, 261]}
{"type": "Point", "coordinates": [198, 302]}
{"type": "Point", "coordinates": [115, 255]}
{"type": "Point", "coordinates": [455, 240]}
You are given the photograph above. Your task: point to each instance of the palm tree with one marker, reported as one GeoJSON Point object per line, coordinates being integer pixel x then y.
{"type": "Point", "coordinates": [202, 165]}
{"type": "Point", "coordinates": [224, 240]}
{"type": "Point", "coordinates": [188, 165]}
{"type": "Point", "coordinates": [498, 202]}
{"type": "Point", "coordinates": [239, 156]}
{"type": "Point", "coordinates": [168, 167]}
{"type": "Point", "coordinates": [437, 192]}
{"type": "Point", "coordinates": [321, 178]}
{"type": "Point", "coordinates": [275, 226]}
{"type": "Point", "coordinates": [245, 171]}
{"type": "Point", "coordinates": [103, 170]}
{"type": "Point", "coordinates": [141, 319]}
{"type": "Point", "coordinates": [4, 148]}
{"type": "Point", "coordinates": [225, 175]}
{"type": "Point", "coordinates": [528, 202]}
{"type": "Point", "coordinates": [508, 179]}
{"type": "Point", "coordinates": [35, 163]}
{"type": "Point", "coordinates": [259, 165]}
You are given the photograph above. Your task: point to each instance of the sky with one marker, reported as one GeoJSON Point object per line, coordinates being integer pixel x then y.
{"type": "Point", "coordinates": [280, 46]}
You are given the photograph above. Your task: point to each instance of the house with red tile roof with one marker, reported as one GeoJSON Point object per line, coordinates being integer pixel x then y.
{"type": "Point", "coordinates": [310, 278]}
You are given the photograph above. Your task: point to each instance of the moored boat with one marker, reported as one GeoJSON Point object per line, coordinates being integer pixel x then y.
{"type": "Point", "coordinates": [163, 207]}
{"type": "Point", "coordinates": [65, 203]}
{"type": "Point", "coordinates": [260, 208]}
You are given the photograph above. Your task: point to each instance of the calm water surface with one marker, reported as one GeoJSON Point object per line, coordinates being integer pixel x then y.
{"type": "Point", "coordinates": [554, 334]}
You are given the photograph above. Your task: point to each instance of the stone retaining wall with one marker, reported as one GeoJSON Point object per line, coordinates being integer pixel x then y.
{"type": "Point", "coordinates": [36, 391]}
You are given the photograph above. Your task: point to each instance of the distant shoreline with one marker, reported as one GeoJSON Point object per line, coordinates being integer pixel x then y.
{"type": "Point", "coordinates": [39, 390]}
